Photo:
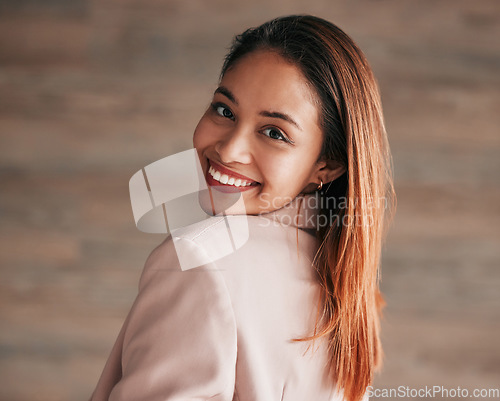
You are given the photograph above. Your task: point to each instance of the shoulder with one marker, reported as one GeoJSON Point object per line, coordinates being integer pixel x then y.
{"type": "Point", "coordinates": [238, 229]}
{"type": "Point", "coordinates": [210, 240]}
{"type": "Point", "coordinates": [216, 238]}
{"type": "Point", "coordinates": [223, 242]}
{"type": "Point", "coordinates": [178, 317]}
{"type": "Point", "coordinates": [181, 261]}
{"type": "Point", "coordinates": [172, 293]}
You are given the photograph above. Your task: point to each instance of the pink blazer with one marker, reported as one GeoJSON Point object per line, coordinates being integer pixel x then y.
{"type": "Point", "coordinates": [223, 331]}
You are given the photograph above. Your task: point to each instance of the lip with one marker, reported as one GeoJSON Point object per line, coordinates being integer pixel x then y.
{"type": "Point", "coordinates": [226, 187]}
{"type": "Point", "coordinates": [230, 172]}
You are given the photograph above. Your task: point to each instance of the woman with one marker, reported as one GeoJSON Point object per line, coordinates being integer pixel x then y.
{"type": "Point", "coordinates": [296, 128]}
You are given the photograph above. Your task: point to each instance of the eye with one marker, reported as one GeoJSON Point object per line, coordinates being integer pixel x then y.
{"type": "Point", "coordinates": [274, 133]}
{"type": "Point", "coordinates": [223, 111]}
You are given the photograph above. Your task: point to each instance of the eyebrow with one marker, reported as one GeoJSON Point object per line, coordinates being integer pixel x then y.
{"type": "Point", "coordinates": [227, 93]}
{"type": "Point", "coordinates": [272, 114]}
{"type": "Point", "coordinates": [282, 116]}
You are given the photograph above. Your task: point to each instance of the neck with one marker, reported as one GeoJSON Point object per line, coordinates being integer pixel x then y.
{"type": "Point", "coordinates": [301, 212]}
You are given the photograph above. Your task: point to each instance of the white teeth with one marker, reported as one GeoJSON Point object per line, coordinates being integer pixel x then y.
{"type": "Point", "coordinates": [226, 180]}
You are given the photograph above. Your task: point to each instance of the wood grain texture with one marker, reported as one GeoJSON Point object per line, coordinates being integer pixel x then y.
{"type": "Point", "coordinates": [90, 92]}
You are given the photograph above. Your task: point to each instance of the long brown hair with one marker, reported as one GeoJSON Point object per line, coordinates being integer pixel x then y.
{"type": "Point", "coordinates": [355, 205]}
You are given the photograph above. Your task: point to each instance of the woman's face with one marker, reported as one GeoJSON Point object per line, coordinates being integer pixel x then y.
{"type": "Point", "coordinates": [261, 134]}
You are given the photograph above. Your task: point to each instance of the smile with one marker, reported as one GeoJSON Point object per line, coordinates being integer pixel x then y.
{"type": "Point", "coordinates": [225, 177]}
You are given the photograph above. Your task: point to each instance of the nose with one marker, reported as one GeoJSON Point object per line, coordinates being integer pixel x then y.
{"type": "Point", "coordinates": [235, 147]}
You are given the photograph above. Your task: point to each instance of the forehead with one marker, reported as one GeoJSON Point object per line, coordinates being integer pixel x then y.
{"type": "Point", "coordinates": [266, 75]}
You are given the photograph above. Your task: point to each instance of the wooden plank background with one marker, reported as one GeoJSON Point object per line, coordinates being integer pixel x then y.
{"type": "Point", "coordinates": [92, 91]}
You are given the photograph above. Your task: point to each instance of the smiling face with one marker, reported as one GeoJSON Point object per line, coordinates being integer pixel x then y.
{"type": "Point", "coordinates": [261, 134]}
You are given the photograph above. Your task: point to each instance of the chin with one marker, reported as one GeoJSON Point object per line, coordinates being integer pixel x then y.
{"type": "Point", "coordinates": [215, 202]}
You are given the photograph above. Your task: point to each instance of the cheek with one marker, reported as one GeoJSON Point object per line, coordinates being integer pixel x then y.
{"type": "Point", "coordinates": [286, 173]}
{"type": "Point", "coordinates": [198, 135]}
{"type": "Point", "coordinates": [203, 134]}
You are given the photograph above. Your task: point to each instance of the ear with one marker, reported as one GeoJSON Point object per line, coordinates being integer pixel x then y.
{"type": "Point", "coordinates": [325, 171]}
{"type": "Point", "coordinates": [329, 170]}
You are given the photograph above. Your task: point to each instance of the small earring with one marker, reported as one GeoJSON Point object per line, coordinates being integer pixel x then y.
{"type": "Point", "coordinates": [320, 185]}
